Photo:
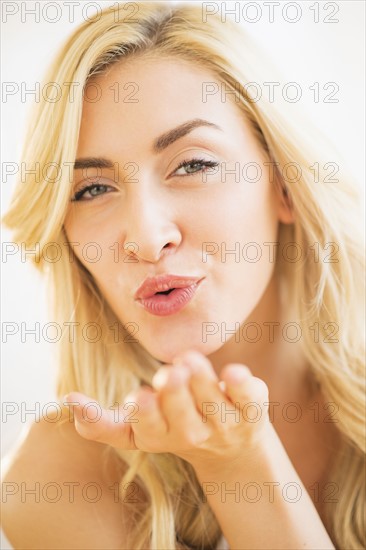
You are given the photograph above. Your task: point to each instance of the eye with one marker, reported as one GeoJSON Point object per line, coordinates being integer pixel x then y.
{"type": "Point", "coordinates": [194, 166]}
{"type": "Point", "coordinates": [88, 192]}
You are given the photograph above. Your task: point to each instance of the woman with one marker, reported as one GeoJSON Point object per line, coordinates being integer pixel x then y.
{"type": "Point", "coordinates": [192, 239]}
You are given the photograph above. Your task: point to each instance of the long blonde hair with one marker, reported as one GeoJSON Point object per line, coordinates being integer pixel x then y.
{"type": "Point", "coordinates": [326, 292]}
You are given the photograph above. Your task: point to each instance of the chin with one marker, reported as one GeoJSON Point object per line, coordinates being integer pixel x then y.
{"type": "Point", "coordinates": [167, 353]}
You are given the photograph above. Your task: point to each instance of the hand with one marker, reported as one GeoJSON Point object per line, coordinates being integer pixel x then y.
{"type": "Point", "coordinates": [189, 412]}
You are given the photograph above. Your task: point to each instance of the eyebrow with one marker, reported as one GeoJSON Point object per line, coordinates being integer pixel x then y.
{"type": "Point", "coordinates": [161, 143]}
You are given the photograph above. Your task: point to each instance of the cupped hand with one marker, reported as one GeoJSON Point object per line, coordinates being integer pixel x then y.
{"type": "Point", "coordinates": [189, 412]}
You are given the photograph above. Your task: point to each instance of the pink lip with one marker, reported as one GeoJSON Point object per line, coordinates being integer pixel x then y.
{"type": "Point", "coordinates": [166, 304]}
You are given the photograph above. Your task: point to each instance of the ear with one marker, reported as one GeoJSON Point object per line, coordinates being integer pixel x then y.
{"type": "Point", "coordinates": [285, 206]}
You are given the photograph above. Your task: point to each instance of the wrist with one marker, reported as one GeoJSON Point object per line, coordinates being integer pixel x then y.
{"type": "Point", "coordinates": [249, 460]}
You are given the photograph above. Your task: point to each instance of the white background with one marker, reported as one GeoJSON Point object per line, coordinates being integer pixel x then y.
{"type": "Point", "coordinates": [305, 52]}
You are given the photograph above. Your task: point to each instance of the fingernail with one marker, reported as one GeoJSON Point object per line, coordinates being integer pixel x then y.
{"type": "Point", "coordinates": [178, 376]}
{"type": "Point", "coordinates": [160, 378]}
{"type": "Point", "coordinates": [222, 386]}
{"type": "Point", "coordinates": [239, 374]}
{"type": "Point", "coordinates": [130, 398]}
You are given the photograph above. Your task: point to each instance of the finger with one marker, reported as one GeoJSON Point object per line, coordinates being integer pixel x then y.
{"type": "Point", "coordinates": [102, 425]}
{"type": "Point", "coordinates": [151, 428]}
{"type": "Point", "coordinates": [249, 391]}
{"type": "Point", "coordinates": [178, 406]}
{"type": "Point", "coordinates": [207, 390]}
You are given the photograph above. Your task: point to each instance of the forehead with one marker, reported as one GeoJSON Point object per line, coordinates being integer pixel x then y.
{"type": "Point", "coordinates": [142, 97]}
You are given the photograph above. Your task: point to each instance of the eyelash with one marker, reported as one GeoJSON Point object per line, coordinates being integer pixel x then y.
{"type": "Point", "coordinates": [206, 163]}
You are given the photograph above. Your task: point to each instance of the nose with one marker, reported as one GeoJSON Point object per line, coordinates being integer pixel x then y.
{"type": "Point", "coordinates": [149, 228]}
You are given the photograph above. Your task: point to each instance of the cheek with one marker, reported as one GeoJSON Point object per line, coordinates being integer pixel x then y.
{"type": "Point", "coordinates": [240, 213]}
{"type": "Point", "coordinates": [242, 264]}
{"type": "Point", "coordinates": [94, 241]}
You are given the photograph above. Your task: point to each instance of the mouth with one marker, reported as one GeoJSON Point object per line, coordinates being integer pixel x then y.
{"type": "Point", "coordinates": [164, 285]}
{"type": "Point", "coordinates": [168, 302]}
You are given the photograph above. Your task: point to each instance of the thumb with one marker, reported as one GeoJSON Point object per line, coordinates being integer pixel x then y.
{"type": "Point", "coordinates": [111, 426]}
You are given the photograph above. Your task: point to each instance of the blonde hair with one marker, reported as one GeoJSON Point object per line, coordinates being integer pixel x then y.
{"type": "Point", "coordinates": [329, 293]}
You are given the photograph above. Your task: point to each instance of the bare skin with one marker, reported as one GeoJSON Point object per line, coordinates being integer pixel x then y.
{"type": "Point", "coordinates": [162, 213]}
{"type": "Point", "coordinates": [58, 455]}
{"type": "Point", "coordinates": [53, 453]}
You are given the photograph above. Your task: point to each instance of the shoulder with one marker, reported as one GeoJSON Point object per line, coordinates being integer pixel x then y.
{"type": "Point", "coordinates": [61, 491]}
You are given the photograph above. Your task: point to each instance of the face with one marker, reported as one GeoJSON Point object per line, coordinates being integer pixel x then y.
{"type": "Point", "coordinates": [149, 217]}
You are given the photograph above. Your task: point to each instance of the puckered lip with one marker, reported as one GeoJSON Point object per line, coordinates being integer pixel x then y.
{"type": "Point", "coordinates": [161, 283]}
